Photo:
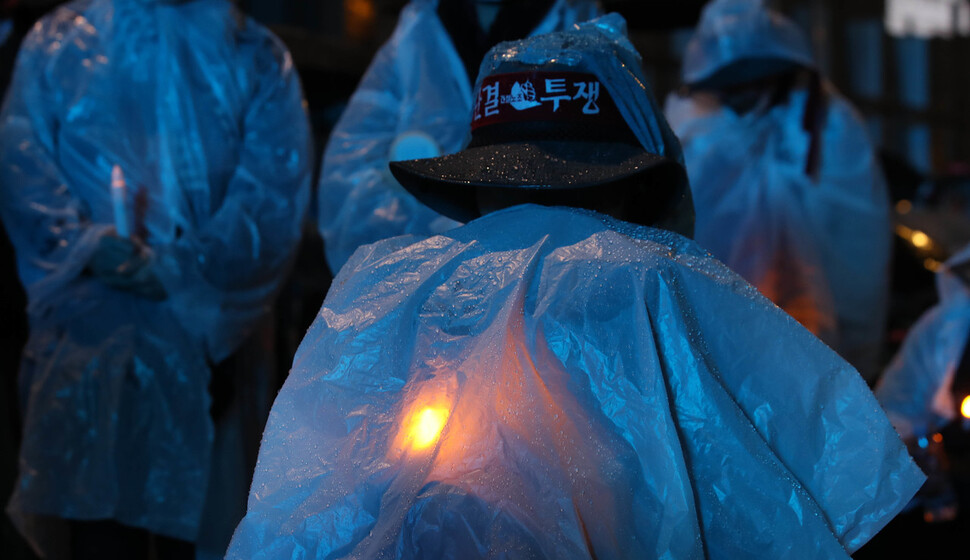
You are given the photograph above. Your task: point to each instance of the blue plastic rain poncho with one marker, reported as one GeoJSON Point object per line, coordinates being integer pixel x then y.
{"type": "Point", "coordinates": [735, 30]}
{"type": "Point", "coordinates": [201, 111]}
{"type": "Point", "coordinates": [815, 241]}
{"type": "Point", "coordinates": [915, 390]}
{"type": "Point", "coordinates": [604, 390]}
{"type": "Point", "coordinates": [413, 102]}
{"type": "Point", "coordinates": [552, 383]}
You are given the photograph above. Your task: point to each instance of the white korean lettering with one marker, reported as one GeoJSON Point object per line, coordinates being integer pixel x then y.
{"type": "Point", "coordinates": [491, 99]}
{"type": "Point", "coordinates": [555, 85]}
{"type": "Point", "coordinates": [590, 91]}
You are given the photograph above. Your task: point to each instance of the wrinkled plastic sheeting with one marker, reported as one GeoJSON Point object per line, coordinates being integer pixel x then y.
{"type": "Point", "coordinates": [606, 390]}
{"type": "Point", "coordinates": [202, 110]}
{"type": "Point", "coordinates": [819, 247]}
{"type": "Point", "coordinates": [416, 85]}
{"type": "Point", "coordinates": [915, 390]}
{"type": "Point", "coordinates": [734, 30]}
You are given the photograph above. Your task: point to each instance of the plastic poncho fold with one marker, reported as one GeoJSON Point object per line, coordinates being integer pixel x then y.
{"type": "Point", "coordinates": [817, 244]}
{"type": "Point", "coordinates": [202, 110]}
{"type": "Point", "coordinates": [916, 388]}
{"type": "Point", "coordinates": [735, 30]}
{"type": "Point", "coordinates": [417, 89]}
{"type": "Point", "coordinates": [588, 400]}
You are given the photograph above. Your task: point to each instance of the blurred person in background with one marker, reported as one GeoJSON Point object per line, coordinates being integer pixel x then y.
{"type": "Point", "coordinates": [155, 163]}
{"type": "Point", "coordinates": [414, 101]}
{"type": "Point", "coordinates": [927, 385]}
{"type": "Point", "coordinates": [787, 188]}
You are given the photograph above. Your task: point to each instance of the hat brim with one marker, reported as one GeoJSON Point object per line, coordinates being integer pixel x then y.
{"type": "Point", "coordinates": [449, 184]}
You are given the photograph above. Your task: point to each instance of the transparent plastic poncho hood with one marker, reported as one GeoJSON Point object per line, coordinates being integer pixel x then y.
{"type": "Point", "coordinates": [735, 30]}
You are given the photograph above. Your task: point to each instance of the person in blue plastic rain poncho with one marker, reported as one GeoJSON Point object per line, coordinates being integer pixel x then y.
{"type": "Point", "coordinates": [915, 389]}
{"type": "Point", "coordinates": [154, 171]}
{"type": "Point", "coordinates": [563, 380]}
{"type": "Point", "coordinates": [787, 188]}
{"type": "Point", "coordinates": [927, 385]}
{"type": "Point", "coordinates": [414, 102]}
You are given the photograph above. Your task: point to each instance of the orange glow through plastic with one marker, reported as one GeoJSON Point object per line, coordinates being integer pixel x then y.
{"type": "Point", "coordinates": [424, 427]}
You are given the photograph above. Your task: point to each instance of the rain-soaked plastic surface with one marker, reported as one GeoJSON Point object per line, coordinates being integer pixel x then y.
{"type": "Point", "coordinates": [916, 388]}
{"type": "Point", "coordinates": [615, 62]}
{"type": "Point", "coordinates": [415, 84]}
{"type": "Point", "coordinates": [202, 111]}
{"type": "Point", "coordinates": [551, 383]}
{"type": "Point", "coordinates": [734, 30]}
{"type": "Point", "coordinates": [817, 244]}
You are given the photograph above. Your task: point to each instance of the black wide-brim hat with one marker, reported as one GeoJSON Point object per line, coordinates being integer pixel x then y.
{"type": "Point", "coordinates": [550, 136]}
{"type": "Point", "coordinates": [450, 185]}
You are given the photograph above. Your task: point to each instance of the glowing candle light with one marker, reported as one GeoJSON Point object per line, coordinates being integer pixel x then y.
{"type": "Point", "coordinates": [920, 239]}
{"type": "Point", "coordinates": [965, 407]}
{"type": "Point", "coordinates": [118, 203]}
{"type": "Point", "coordinates": [426, 427]}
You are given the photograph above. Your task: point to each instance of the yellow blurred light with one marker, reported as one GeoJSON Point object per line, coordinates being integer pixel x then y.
{"type": "Point", "coordinates": [426, 427]}
{"type": "Point", "coordinates": [920, 239]}
{"type": "Point", "coordinates": [932, 265]}
{"type": "Point", "coordinates": [965, 407]}
{"type": "Point", "coordinates": [904, 207]}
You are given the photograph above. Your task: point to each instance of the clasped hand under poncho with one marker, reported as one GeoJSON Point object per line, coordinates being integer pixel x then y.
{"type": "Point", "coordinates": [202, 111]}
{"type": "Point", "coordinates": [817, 240]}
{"type": "Point", "coordinates": [548, 382]}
